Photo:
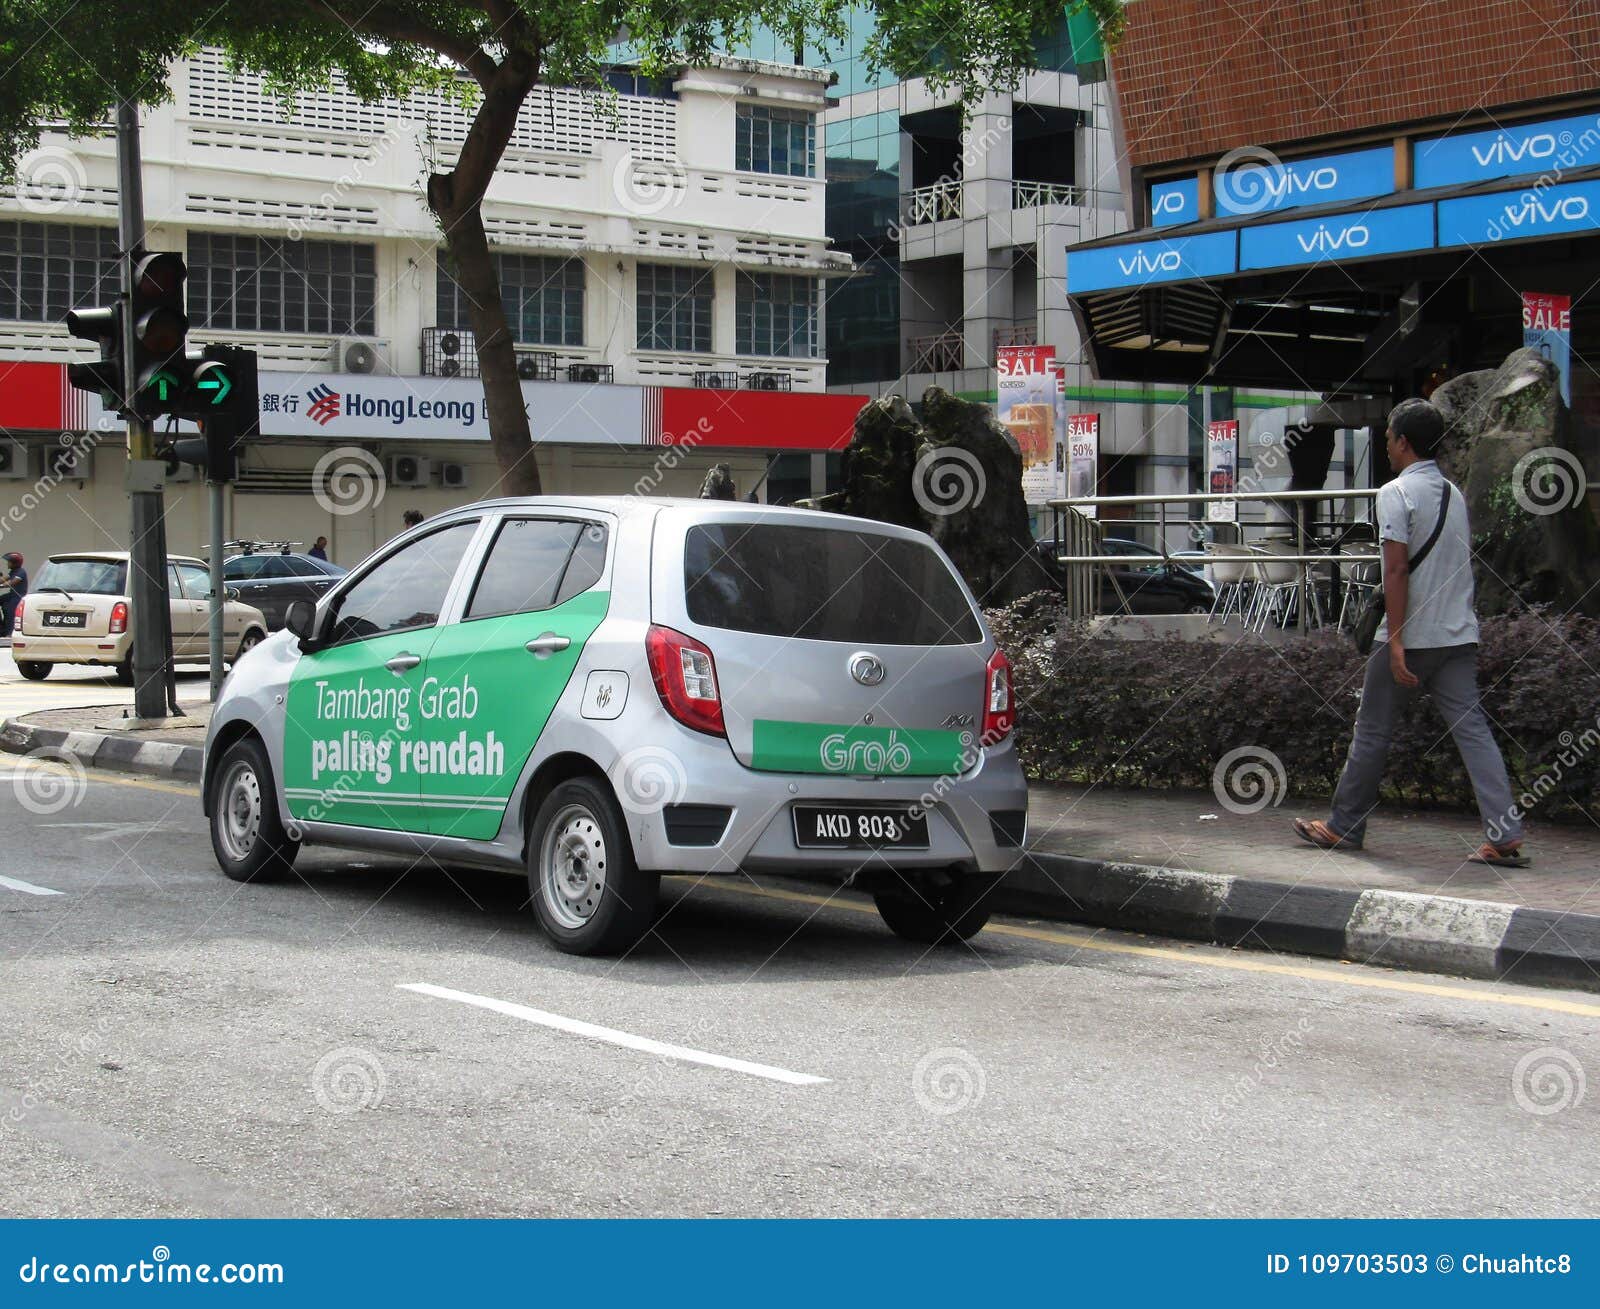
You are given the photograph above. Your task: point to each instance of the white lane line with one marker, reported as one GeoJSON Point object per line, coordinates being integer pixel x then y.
{"type": "Point", "coordinates": [614, 1037]}
{"type": "Point", "coordinates": [27, 888]}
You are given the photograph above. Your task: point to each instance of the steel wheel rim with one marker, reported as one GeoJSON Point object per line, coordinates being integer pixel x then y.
{"type": "Point", "coordinates": [239, 811]}
{"type": "Point", "coordinates": [572, 866]}
{"type": "Point", "coordinates": [250, 643]}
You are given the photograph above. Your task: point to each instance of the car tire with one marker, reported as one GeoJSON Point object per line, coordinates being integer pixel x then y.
{"type": "Point", "coordinates": [125, 671]}
{"type": "Point", "coordinates": [590, 896]}
{"type": "Point", "coordinates": [916, 910]}
{"type": "Point", "coordinates": [254, 637]}
{"type": "Point", "coordinates": [1198, 609]}
{"type": "Point", "coordinates": [33, 670]}
{"type": "Point", "coordinates": [247, 836]}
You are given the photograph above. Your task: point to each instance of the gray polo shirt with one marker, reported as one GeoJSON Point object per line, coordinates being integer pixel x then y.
{"type": "Point", "coordinates": [1439, 603]}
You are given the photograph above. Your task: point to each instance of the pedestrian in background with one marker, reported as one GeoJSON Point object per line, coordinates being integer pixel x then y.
{"type": "Point", "coordinates": [411, 518]}
{"type": "Point", "coordinates": [319, 549]}
{"type": "Point", "coordinates": [15, 586]}
{"type": "Point", "coordinates": [1428, 639]}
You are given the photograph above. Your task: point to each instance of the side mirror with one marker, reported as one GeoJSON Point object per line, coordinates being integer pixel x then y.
{"type": "Point", "coordinates": [231, 592]}
{"type": "Point", "coordinates": [301, 619]}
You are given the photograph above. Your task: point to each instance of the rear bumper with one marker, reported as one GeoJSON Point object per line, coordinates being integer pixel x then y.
{"type": "Point", "coordinates": [53, 649]}
{"type": "Point", "coordinates": [759, 835]}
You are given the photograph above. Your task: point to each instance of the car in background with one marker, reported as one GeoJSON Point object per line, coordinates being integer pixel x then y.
{"type": "Point", "coordinates": [78, 612]}
{"type": "Point", "coordinates": [1146, 584]}
{"type": "Point", "coordinates": [274, 581]}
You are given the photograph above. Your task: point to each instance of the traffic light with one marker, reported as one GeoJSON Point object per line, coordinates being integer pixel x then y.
{"type": "Point", "coordinates": [160, 327]}
{"type": "Point", "coordinates": [103, 375]}
{"type": "Point", "coordinates": [218, 389]}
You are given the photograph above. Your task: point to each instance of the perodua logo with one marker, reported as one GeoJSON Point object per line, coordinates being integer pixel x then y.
{"type": "Point", "coordinates": [842, 756]}
{"type": "Point", "coordinates": [866, 668]}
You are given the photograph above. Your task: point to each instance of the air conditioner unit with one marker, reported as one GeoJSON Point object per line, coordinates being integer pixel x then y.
{"type": "Point", "coordinates": [603, 373]}
{"type": "Point", "coordinates": [13, 461]}
{"type": "Point", "coordinates": [453, 477]}
{"type": "Point", "coordinates": [769, 382]}
{"type": "Point", "coordinates": [407, 470]}
{"type": "Point", "coordinates": [536, 365]}
{"type": "Point", "coordinates": [351, 355]}
{"type": "Point", "coordinates": [68, 463]}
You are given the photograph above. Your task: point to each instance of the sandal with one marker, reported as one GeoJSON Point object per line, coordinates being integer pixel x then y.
{"type": "Point", "coordinates": [1500, 856]}
{"type": "Point", "coordinates": [1316, 832]}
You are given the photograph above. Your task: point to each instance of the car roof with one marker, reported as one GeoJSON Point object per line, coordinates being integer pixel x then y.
{"type": "Point", "coordinates": [115, 557]}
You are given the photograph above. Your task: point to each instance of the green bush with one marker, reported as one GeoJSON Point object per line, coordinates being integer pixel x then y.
{"type": "Point", "coordinates": [1163, 712]}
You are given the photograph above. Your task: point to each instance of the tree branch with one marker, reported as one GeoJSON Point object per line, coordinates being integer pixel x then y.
{"type": "Point", "coordinates": [392, 24]}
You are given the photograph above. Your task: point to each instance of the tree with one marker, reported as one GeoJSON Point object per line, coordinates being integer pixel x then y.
{"type": "Point", "coordinates": [66, 60]}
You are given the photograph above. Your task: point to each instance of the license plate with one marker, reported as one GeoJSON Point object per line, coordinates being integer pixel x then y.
{"type": "Point", "coordinates": [57, 619]}
{"type": "Point", "coordinates": [858, 827]}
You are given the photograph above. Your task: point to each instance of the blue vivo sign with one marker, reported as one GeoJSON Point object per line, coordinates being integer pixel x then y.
{"type": "Point", "coordinates": [1512, 215]}
{"type": "Point", "coordinates": [1175, 202]}
{"type": "Point", "coordinates": [1257, 186]}
{"type": "Point", "coordinates": [1174, 259]}
{"type": "Point", "coordinates": [1554, 145]}
{"type": "Point", "coordinates": [1340, 236]}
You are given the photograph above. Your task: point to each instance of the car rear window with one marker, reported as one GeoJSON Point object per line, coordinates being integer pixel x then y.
{"type": "Point", "coordinates": [89, 576]}
{"type": "Point", "coordinates": [823, 584]}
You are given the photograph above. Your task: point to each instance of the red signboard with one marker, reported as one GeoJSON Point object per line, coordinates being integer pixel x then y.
{"type": "Point", "coordinates": [31, 397]}
{"type": "Point", "coordinates": [770, 420]}
{"type": "Point", "coordinates": [1546, 313]}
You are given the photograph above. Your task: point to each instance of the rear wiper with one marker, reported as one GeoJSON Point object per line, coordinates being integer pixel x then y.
{"type": "Point", "coordinates": [61, 589]}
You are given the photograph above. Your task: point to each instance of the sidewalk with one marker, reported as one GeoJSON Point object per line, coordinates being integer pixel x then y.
{"type": "Point", "coordinates": [1177, 864]}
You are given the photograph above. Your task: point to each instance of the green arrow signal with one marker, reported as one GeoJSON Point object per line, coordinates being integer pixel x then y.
{"type": "Point", "coordinates": [163, 383]}
{"type": "Point", "coordinates": [217, 382]}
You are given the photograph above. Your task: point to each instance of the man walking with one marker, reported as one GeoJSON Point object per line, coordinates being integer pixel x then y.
{"type": "Point", "coordinates": [12, 588]}
{"type": "Point", "coordinates": [319, 549]}
{"type": "Point", "coordinates": [1429, 638]}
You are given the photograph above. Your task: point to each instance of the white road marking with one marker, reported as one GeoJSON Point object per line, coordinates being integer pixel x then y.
{"type": "Point", "coordinates": [27, 888]}
{"type": "Point", "coordinates": [610, 1035]}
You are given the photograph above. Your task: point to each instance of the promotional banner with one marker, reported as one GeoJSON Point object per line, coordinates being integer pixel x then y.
{"type": "Point", "coordinates": [1083, 459]}
{"type": "Point", "coordinates": [1222, 469]}
{"type": "Point", "coordinates": [1547, 328]}
{"type": "Point", "coordinates": [1025, 391]}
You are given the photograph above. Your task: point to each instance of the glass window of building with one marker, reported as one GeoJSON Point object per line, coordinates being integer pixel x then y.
{"type": "Point", "coordinates": [543, 299]}
{"type": "Point", "coordinates": [768, 140]}
{"type": "Point", "coordinates": [48, 268]}
{"type": "Point", "coordinates": [674, 308]}
{"type": "Point", "coordinates": [257, 284]}
{"type": "Point", "coordinates": [776, 314]}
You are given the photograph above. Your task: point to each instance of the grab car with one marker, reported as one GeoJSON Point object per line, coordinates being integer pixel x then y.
{"type": "Point", "coordinates": [79, 611]}
{"type": "Point", "coordinates": [597, 691]}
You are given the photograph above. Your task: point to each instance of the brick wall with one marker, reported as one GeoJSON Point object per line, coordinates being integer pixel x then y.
{"type": "Point", "coordinates": [1197, 78]}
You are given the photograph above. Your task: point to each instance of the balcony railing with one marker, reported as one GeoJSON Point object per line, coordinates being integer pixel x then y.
{"type": "Point", "coordinates": [936, 354]}
{"type": "Point", "coordinates": [1021, 334]}
{"type": "Point", "coordinates": [933, 204]}
{"type": "Point", "coordinates": [1030, 195]}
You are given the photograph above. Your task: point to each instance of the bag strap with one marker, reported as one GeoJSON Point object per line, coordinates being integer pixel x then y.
{"type": "Point", "coordinates": [1438, 527]}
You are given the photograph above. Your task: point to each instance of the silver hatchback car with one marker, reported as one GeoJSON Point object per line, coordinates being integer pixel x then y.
{"type": "Point", "coordinates": [595, 691]}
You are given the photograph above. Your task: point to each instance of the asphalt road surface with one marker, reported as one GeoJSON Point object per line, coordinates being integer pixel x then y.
{"type": "Point", "coordinates": [70, 685]}
{"type": "Point", "coordinates": [376, 1040]}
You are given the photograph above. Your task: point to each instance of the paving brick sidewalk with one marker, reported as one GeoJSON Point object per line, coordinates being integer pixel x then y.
{"type": "Point", "coordinates": [1407, 850]}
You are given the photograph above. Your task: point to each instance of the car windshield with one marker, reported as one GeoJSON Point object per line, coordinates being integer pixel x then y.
{"type": "Point", "coordinates": [824, 584]}
{"type": "Point", "coordinates": [88, 576]}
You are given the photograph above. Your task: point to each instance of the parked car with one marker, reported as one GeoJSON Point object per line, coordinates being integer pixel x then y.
{"type": "Point", "coordinates": [79, 612]}
{"type": "Point", "coordinates": [595, 691]}
{"type": "Point", "coordinates": [1148, 583]}
{"type": "Point", "coordinates": [272, 582]}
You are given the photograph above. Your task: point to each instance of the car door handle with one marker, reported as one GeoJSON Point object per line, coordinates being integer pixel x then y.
{"type": "Point", "coordinates": [403, 663]}
{"type": "Point", "coordinates": [547, 644]}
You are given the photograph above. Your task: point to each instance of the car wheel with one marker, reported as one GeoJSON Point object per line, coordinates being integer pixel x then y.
{"type": "Point", "coordinates": [1198, 609]}
{"type": "Point", "coordinates": [125, 671]}
{"type": "Point", "coordinates": [916, 910]}
{"type": "Point", "coordinates": [34, 672]}
{"type": "Point", "coordinates": [250, 842]}
{"type": "Point", "coordinates": [252, 639]}
{"type": "Point", "coordinates": [588, 893]}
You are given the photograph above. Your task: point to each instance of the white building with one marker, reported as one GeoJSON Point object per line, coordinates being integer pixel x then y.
{"type": "Point", "coordinates": [662, 255]}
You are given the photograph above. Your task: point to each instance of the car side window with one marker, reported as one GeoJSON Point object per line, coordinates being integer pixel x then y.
{"type": "Point", "coordinates": [405, 591]}
{"type": "Point", "coordinates": [174, 590]}
{"type": "Point", "coordinates": [523, 573]}
{"type": "Point", "coordinates": [243, 568]}
{"type": "Point", "coordinates": [196, 581]}
{"type": "Point", "coordinates": [588, 562]}
{"type": "Point", "coordinates": [274, 566]}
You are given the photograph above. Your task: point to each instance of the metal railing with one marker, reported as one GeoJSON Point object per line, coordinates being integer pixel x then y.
{"type": "Point", "coordinates": [1069, 534]}
{"type": "Point", "coordinates": [1020, 334]}
{"type": "Point", "coordinates": [936, 354]}
{"type": "Point", "coordinates": [932, 204]}
{"type": "Point", "coordinates": [1031, 195]}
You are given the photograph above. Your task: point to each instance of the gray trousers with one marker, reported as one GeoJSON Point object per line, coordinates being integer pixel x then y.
{"type": "Point", "coordinates": [1449, 674]}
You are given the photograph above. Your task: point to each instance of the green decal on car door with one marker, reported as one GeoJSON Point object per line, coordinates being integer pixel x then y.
{"type": "Point", "coordinates": [489, 689]}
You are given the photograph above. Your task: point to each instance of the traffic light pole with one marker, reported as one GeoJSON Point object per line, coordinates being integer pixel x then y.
{"type": "Point", "coordinates": [152, 626]}
{"type": "Point", "coordinates": [214, 490]}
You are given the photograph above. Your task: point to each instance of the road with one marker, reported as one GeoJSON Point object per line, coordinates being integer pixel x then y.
{"type": "Point", "coordinates": [70, 685]}
{"type": "Point", "coordinates": [177, 1044]}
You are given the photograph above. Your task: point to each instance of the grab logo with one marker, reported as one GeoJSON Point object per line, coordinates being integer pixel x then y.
{"type": "Point", "coordinates": [842, 756]}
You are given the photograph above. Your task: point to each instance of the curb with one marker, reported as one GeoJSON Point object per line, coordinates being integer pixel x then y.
{"type": "Point", "coordinates": [1392, 929]}
{"type": "Point", "coordinates": [104, 750]}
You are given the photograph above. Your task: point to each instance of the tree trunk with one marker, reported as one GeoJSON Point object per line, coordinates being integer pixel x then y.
{"type": "Point", "coordinates": [509, 430]}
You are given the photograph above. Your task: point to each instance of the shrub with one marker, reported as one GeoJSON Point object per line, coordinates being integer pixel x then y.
{"type": "Point", "coordinates": [1163, 712]}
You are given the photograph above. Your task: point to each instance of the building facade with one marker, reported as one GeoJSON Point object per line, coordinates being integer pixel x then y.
{"type": "Point", "coordinates": [662, 254]}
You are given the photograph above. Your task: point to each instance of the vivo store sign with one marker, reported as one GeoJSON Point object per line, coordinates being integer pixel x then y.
{"type": "Point", "coordinates": [1255, 186]}
{"type": "Point", "coordinates": [1174, 259]}
{"type": "Point", "coordinates": [1341, 236]}
{"type": "Point", "coordinates": [1513, 215]}
{"type": "Point", "coordinates": [1553, 146]}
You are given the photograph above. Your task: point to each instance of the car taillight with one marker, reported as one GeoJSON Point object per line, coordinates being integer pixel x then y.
{"type": "Point", "coordinates": [686, 679]}
{"type": "Point", "coordinates": [999, 710]}
{"type": "Point", "coordinates": [119, 618]}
